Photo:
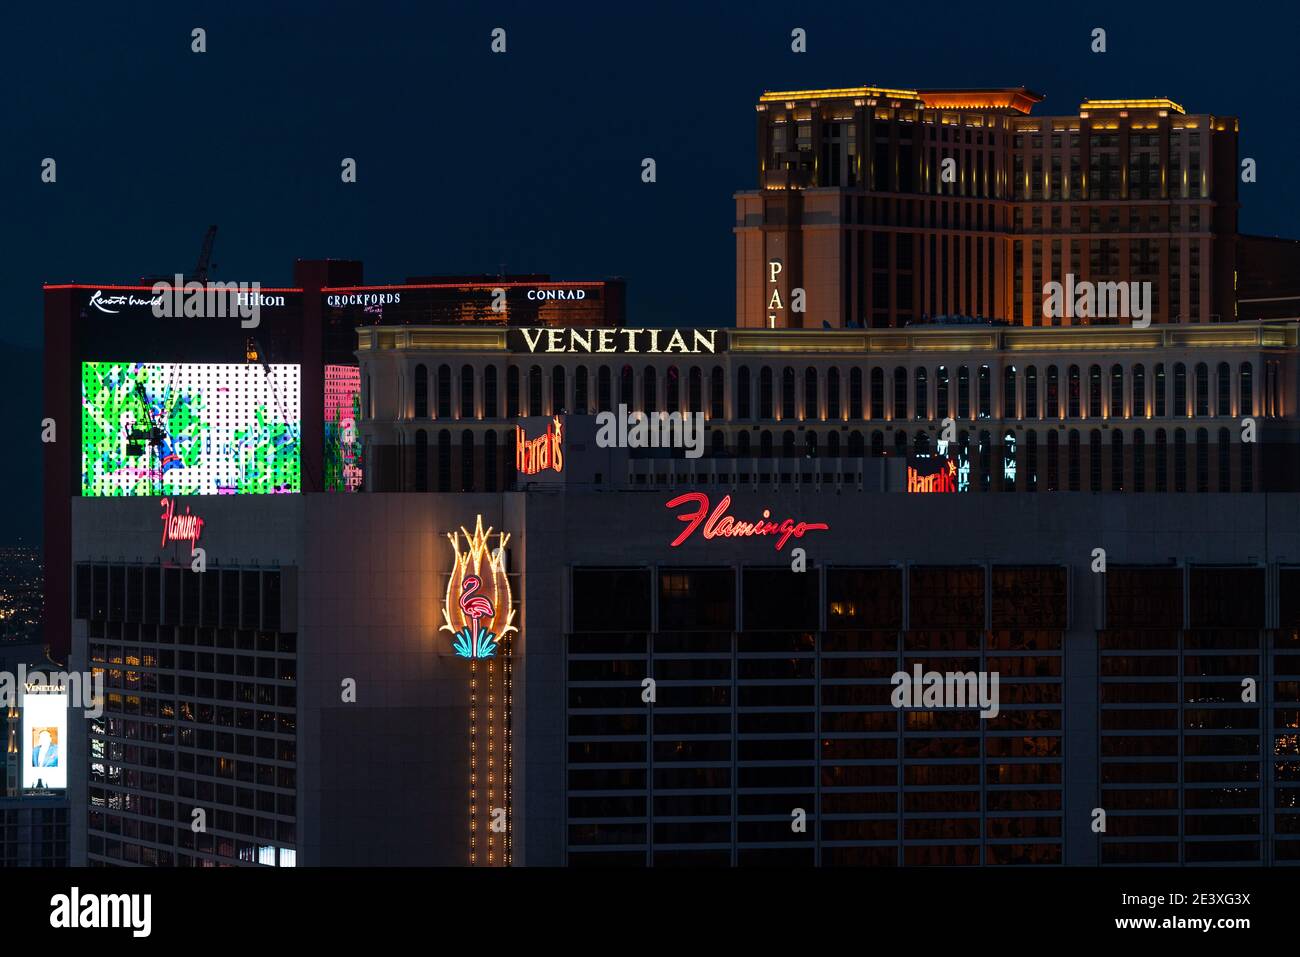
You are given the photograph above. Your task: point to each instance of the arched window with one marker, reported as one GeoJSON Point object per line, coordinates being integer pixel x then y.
{"type": "Point", "coordinates": [1053, 394]}
{"type": "Point", "coordinates": [921, 388]}
{"type": "Point", "coordinates": [1009, 463]}
{"type": "Point", "coordinates": [833, 445]}
{"type": "Point", "coordinates": [444, 460]}
{"type": "Point", "coordinates": [467, 461]}
{"type": "Point", "coordinates": [490, 410]}
{"type": "Point", "coordinates": [1009, 392]}
{"type": "Point", "coordinates": [1202, 460]}
{"type": "Point", "coordinates": [421, 392]}
{"type": "Point", "coordinates": [1031, 393]}
{"type": "Point", "coordinates": [696, 387]}
{"type": "Point", "coordinates": [787, 445]}
{"type": "Point", "coordinates": [1072, 408]}
{"type": "Point", "coordinates": [1225, 461]}
{"type": "Point", "coordinates": [649, 401]}
{"type": "Point", "coordinates": [467, 410]}
{"type": "Point", "coordinates": [1073, 454]}
{"type": "Point", "coordinates": [963, 393]}
{"type": "Point", "coordinates": [900, 443]}
{"type": "Point", "coordinates": [877, 444]}
{"type": "Point", "coordinates": [900, 393]}
{"type": "Point", "coordinates": [1247, 466]}
{"type": "Point", "coordinates": [559, 399]}
{"type": "Point", "coordinates": [672, 386]}
{"type": "Point", "coordinates": [986, 393]}
{"type": "Point", "coordinates": [810, 403]}
{"type": "Point", "coordinates": [604, 401]}
{"type": "Point", "coordinates": [1180, 460]}
{"type": "Point", "coordinates": [941, 393]}
{"type": "Point", "coordinates": [1159, 386]}
{"type": "Point", "coordinates": [1223, 403]}
{"type": "Point", "coordinates": [833, 394]}
{"type": "Point", "coordinates": [534, 391]}
{"type": "Point", "coordinates": [444, 392]}
{"type": "Point", "coordinates": [1180, 390]}
{"type": "Point", "coordinates": [787, 393]}
{"type": "Point", "coordinates": [1162, 461]}
{"type": "Point", "coordinates": [855, 394]}
{"type": "Point", "coordinates": [581, 401]}
{"type": "Point", "coordinates": [626, 387]}
{"type": "Point", "coordinates": [857, 445]}
{"type": "Point", "coordinates": [810, 444]}
{"type": "Point", "coordinates": [1094, 391]}
{"type": "Point", "coordinates": [1053, 461]}
{"type": "Point", "coordinates": [490, 461]}
{"type": "Point", "coordinates": [743, 401]}
{"type": "Point", "coordinates": [1139, 461]}
{"type": "Point", "coordinates": [1094, 460]}
{"type": "Point", "coordinates": [1139, 391]}
{"type": "Point", "coordinates": [1116, 460]}
{"type": "Point", "coordinates": [877, 410]}
{"type": "Point", "coordinates": [719, 444]}
{"type": "Point", "coordinates": [742, 444]}
{"type": "Point", "coordinates": [512, 392]}
{"type": "Point", "coordinates": [1031, 461]}
{"type": "Point", "coordinates": [765, 393]}
{"type": "Point", "coordinates": [1247, 390]}
{"type": "Point", "coordinates": [421, 460]}
{"type": "Point", "coordinates": [1202, 389]}
{"type": "Point", "coordinates": [765, 444]}
{"type": "Point", "coordinates": [1117, 391]}
{"type": "Point", "coordinates": [717, 394]}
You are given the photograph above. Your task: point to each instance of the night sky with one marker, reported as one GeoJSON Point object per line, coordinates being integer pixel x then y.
{"type": "Point", "coordinates": [469, 160]}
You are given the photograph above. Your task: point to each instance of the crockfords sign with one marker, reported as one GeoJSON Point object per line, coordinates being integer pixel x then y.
{"type": "Point", "coordinates": [365, 299]}
{"type": "Point", "coordinates": [609, 341]}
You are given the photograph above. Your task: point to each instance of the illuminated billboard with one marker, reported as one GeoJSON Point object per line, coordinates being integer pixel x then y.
{"type": "Point", "coordinates": [167, 428]}
{"type": "Point", "coordinates": [344, 465]}
{"type": "Point", "coordinates": [45, 739]}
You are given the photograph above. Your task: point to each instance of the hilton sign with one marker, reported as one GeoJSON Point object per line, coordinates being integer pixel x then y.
{"type": "Point", "coordinates": [625, 341]}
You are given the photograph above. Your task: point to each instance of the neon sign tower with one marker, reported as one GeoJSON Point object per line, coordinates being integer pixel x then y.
{"type": "Point", "coordinates": [479, 612]}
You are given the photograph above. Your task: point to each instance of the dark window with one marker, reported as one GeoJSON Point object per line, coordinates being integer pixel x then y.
{"type": "Point", "coordinates": [580, 399]}
{"type": "Point", "coordinates": [467, 461]}
{"type": "Point", "coordinates": [607, 599]}
{"type": "Point", "coordinates": [490, 392]}
{"type": "Point", "coordinates": [774, 599]}
{"type": "Point", "coordinates": [833, 394]}
{"type": "Point", "coordinates": [444, 392]}
{"type": "Point", "coordinates": [467, 410]}
{"type": "Point", "coordinates": [787, 393]}
{"type": "Point", "coordinates": [697, 599]}
{"type": "Point", "coordinates": [444, 460]}
{"type": "Point", "coordinates": [421, 392]}
{"type": "Point", "coordinates": [743, 400]}
{"type": "Point", "coordinates": [421, 461]}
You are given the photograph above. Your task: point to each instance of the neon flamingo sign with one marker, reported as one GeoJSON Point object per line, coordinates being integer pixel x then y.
{"type": "Point", "coordinates": [180, 528]}
{"type": "Point", "coordinates": [721, 525]}
{"type": "Point", "coordinates": [478, 609]}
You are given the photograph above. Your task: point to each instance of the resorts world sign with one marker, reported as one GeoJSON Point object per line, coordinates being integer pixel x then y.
{"type": "Point", "coordinates": [545, 341]}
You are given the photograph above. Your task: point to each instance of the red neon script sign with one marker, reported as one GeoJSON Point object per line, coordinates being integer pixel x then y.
{"type": "Point", "coordinates": [544, 452]}
{"type": "Point", "coordinates": [180, 528]}
{"type": "Point", "coordinates": [722, 525]}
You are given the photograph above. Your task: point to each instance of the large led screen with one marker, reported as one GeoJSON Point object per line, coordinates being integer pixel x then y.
{"type": "Point", "coordinates": [343, 460]}
{"type": "Point", "coordinates": [167, 428]}
{"type": "Point", "coordinates": [45, 741]}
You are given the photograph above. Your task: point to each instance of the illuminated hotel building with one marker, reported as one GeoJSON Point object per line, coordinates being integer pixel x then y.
{"type": "Point", "coordinates": [364, 674]}
{"type": "Point", "coordinates": [894, 207]}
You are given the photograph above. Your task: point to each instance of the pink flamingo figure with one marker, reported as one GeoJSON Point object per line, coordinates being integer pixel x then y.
{"type": "Point", "coordinates": [474, 608]}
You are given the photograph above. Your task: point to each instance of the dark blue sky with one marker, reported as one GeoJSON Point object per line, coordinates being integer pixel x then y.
{"type": "Point", "coordinates": [532, 159]}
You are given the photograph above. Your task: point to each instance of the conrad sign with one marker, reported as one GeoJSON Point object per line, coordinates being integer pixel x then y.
{"type": "Point", "coordinates": [616, 341]}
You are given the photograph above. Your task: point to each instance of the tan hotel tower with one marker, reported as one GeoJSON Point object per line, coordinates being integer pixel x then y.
{"type": "Point", "coordinates": [859, 206]}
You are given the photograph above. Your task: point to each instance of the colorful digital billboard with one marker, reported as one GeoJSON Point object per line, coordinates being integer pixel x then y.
{"type": "Point", "coordinates": [344, 467]}
{"type": "Point", "coordinates": [45, 739]}
{"type": "Point", "coordinates": [166, 428]}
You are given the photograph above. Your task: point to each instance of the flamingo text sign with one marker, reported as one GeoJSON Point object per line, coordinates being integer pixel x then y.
{"type": "Point", "coordinates": [478, 608]}
{"type": "Point", "coordinates": [719, 524]}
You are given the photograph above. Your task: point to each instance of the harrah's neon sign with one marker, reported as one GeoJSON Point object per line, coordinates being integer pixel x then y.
{"type": "Point", "coordinates": [180, 528]}
{"type": "Point", "coordinates": [544, 452]}
{"type": "Point", "coordinates": [721, 525]}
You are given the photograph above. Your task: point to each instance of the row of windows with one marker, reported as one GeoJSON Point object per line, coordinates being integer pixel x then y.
{"type": "Point", "coordinates": [963, 392]}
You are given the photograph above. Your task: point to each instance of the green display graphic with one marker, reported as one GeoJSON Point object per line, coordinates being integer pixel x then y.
{"type": "Point", "coordinates": [166, 428]}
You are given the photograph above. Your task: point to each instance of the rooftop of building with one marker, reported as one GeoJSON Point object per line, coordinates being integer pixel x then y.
{"type": "Point", "coordinates": [1018, 99]}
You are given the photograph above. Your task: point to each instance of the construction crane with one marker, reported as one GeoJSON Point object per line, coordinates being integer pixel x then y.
{"type": "Point", "coordinates": [205, 256]}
